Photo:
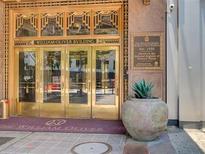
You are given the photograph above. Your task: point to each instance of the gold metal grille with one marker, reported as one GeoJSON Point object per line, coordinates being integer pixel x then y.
{"type": "Point", "coordinates": [125, 49]}
{"type": "Point", "coordinates": [51, 3]}
{"type": "Point", "coordinates": [26, 22]}
{"type": "Point", "coordinates": [2, 54]}
{"type": "Point", "coordinates": [78, 23]}
{"type": "Point", "coordinates": [6, 48]}
{"type": "Point", "coordinates": [108, 19]}
{"type": "Point", "coordinates": [55, 20]}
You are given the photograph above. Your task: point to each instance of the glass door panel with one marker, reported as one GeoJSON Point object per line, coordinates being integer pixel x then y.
{"type": "Point", "coordinates": [105, 77]}
{"type": "Point", "coordinates": [27, 77]}
{"type": "Point", "coordinates": [52, 77]}
{"type": "Point", "coordinates": [79, 82]}
{"type": "Point", "coordinates": [105, 82]}
{"type": "Point", "coordinates": [52, 86]}
{"type": "Point", "coordinates": [78, 66]}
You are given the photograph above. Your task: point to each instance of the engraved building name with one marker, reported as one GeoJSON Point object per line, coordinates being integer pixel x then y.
{"type": "Point", "coordinates": [67, 42]}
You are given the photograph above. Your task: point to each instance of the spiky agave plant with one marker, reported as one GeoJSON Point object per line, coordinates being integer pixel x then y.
{"type": "Point", "coordinates": [143, 89]}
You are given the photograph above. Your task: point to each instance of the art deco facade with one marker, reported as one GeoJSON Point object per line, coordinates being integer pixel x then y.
{"type": "Point", "coordinates": [79, 59]}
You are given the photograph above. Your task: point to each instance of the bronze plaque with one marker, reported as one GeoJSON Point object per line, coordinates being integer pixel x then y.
{"type": "Point", "coordinates": [147, 51]}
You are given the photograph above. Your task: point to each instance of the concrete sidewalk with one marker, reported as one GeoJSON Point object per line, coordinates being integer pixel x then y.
{"type": "Point", "coordinates": [175, 141]}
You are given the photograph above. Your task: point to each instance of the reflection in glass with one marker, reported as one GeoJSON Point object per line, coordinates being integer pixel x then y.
{"type": "Point", "coordinates": [52, 76]}
{"type": "Point", "coordinates": [27, 78]}
{"type": "Point", "coordinates": [105, 77]}
{"type": "Point", "coordinates": [77, 84]}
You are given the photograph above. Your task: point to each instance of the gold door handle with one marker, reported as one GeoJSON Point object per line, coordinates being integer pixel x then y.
{"type": "Point", "coordinates": [62, 84]}
{"type": "Point", "coordinates": [37, 85]}
{"type": "Point", "coordinates": [27, 89]}
{"type": "Point", "coordinates": [89, 85]}
{"type": "Point", "coordinates": [117, 91]}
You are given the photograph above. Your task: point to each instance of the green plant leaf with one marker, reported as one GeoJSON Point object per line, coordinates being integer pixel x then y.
{"type": "Point", "coordinates": [143, 89]}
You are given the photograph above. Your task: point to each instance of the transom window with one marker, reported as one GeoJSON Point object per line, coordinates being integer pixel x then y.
{"type": "Point", "coordinates": [80, 22]}
{"type": "Point", "coordinates": [26, 25]}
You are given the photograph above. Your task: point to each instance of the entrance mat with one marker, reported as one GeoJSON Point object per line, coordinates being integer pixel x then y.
{"type": "Point", "coordinates": [4, 140]}
{"type": "Point", "coordinates": [62, 125]}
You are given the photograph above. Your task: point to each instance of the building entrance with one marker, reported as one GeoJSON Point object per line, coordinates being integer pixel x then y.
{"type": "Point", "coordinates": [74, 82]}
{"type": "Point", "coordinates": [65, 61]}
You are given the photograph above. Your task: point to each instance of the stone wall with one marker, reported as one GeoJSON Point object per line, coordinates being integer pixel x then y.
{"type": "Point", "coordinates": [150, 18]}
{"type": "Point", "coordinates": [2, 52]}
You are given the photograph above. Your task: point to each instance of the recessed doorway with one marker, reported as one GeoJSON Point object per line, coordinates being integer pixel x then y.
{"type": "Point", "coordinates": [74, 82]}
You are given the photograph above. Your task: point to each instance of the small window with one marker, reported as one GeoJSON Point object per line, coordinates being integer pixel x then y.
{"type": "Point", "coordinates": [52, 24]}
{"type": "Point", "coordinates": [106, 22]}
{"type": "Point", "coordinates": [26, 25]}
{"type": "Point", "coordinates": [78, 23]}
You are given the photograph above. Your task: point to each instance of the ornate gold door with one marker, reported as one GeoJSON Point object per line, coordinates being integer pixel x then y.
{"type": "Point", "coordinates": [52, 82]}
{"type": "Point", "coordinates": [78, 82]}
{"type": "Point", "coordinates": [105, 82]}
{"type": "Point", "coordinates": [74, 82]}
{"type": "Point", "coordinates": [40, 82]}
{"type": "Point", "coordinates": [92, 82]}
{"type": "Point", "coordinates": [27, 81]}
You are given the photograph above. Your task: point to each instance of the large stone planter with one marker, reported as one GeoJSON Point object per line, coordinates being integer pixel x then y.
{"type": "Point", "coordinates": [145, 119]}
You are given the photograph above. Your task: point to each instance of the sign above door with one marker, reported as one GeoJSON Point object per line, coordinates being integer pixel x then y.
{"type": "Point", "coordinates": [66, 42]}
